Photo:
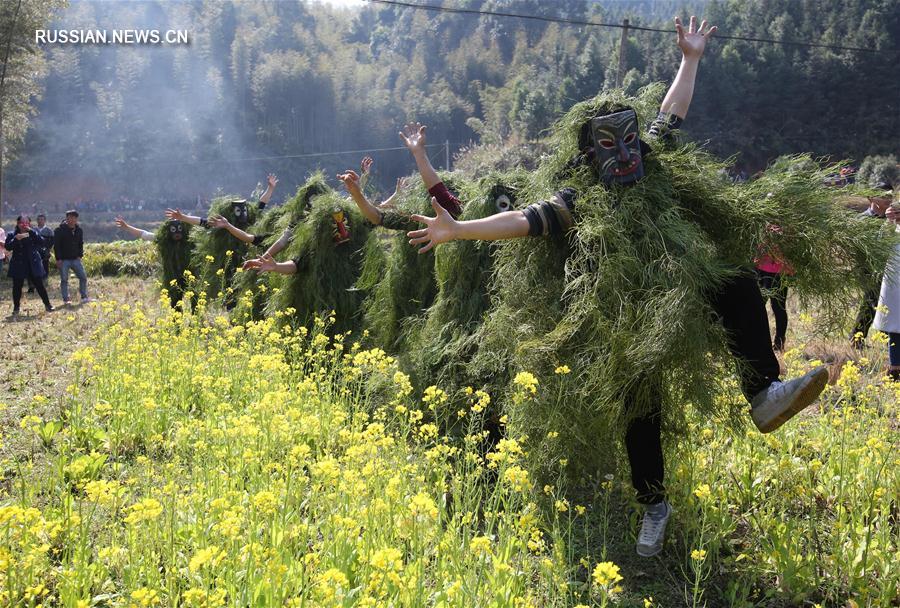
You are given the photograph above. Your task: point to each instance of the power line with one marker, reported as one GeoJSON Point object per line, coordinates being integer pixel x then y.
{"type": "Point", "coordinates": [252, 159]}
{"type": "Point", "coordinates": [468, 11]}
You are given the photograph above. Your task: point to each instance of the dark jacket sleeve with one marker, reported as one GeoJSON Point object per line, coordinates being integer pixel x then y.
{"type": "Point", "coordinates": [56, 242]}
{"type": "Point", "coordinates": [8, 241]}
{"type": "Point", "coordinates": [80, 244]}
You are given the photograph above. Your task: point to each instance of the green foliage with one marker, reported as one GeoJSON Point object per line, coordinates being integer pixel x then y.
{"type": "Point", "coordinates": [407, 285]}
{"type": "Point", "coordinates": [877, 169]}
{"type": "Point", "coordinates": [252, 288]}
{"type": "Point", "coordinates": [327, 273]}
{"type": "Point", "coordinates": [627, 307]}
{"type": "Point", "coordinates": [120, 258]}
{"type": "Point", "coordinates": [445, 342]}
{"type": "Point", "coordinates": [227, 252]}
{"type": "Point", "coordinates": [176, 257]}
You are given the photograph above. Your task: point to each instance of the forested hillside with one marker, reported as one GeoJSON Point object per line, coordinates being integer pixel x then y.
{"type": "Point", "coordinates": [294, 79]}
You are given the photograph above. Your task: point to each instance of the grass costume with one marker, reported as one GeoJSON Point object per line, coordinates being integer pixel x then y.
{"type": "Point", "coordinates": [649, 248]}
{"type": "Point", "coordinates": [273, 233]}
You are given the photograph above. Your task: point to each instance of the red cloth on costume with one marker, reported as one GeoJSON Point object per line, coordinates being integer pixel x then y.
{"type": "Point", "coordinates": [446, 199]}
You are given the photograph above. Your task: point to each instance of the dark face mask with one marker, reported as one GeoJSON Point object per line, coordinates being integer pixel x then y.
{"type": "Point", "coordinates": [176, 230]}
{"type": "Point", "coordinates": [503, 199]}
{"type": "Point", "coordinates": [241, 214]}
{"type": "Point", "coordinates": [617, 148]}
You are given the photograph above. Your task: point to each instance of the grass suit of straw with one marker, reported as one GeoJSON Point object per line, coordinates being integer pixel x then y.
{"type": "Point", "coordinates": [405, 286]}
{"type": "Point", "coordinates": [328, 249]}
{"type": "Point", "coordinates": [217, 253]}
{"type": "Point", "coordinates": [445, 338]}
{"type": "Point", "coordinates": [175, 248]}
{"type": "Point", "coordinates": [642, 286]}
{"type": "Point", "coordinates": [275, 229]}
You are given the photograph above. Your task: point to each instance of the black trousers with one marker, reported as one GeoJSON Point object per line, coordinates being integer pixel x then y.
{"type": "Point", "coordinates": [742, 311]}
{"type": "Point", "coordinates": [38, 284]}
{"type": "Point", "coordinates": [866, 314]}
{"type": "Point", "coordinates": [770, 283]}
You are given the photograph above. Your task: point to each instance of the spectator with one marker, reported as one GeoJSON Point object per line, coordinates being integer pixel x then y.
{"type": "Point", "coordinates": [887, 316]}
{"type": "Point", "coordinates": [25, 244]}
{"type": "Point", "coordinates": [68, 246]}
{"type": "Point", "coordinates": [3, 255]}
{"type": "Point", "coordinates": [46, 233]}
{"type": "Point", "coordinates": [878, 206]}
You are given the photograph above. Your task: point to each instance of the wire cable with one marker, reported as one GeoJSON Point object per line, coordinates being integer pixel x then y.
{"type": "Point", "coordinates": [640, 28]}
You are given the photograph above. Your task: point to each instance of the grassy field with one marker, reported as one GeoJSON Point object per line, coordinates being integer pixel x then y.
{"type": "Point", "coordinates": [155, 459]}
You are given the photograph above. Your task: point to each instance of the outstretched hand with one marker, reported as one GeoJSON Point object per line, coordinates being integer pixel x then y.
{"type": "Point", "coordinates": [174, 214]}
{"type": "Point", "coordinates": [366, 165]}
{"type": "Point", "coordinates": [265, 263]}
{"type": "Point", "coordinates": [120, 222]}
{"type": "Point", "coordinates": [413, 136]}
{"type": "Point", "coordinates": [350, 180]}
{"type": "Point", "coordinates": [217, 221]}
{"type": "Point", "coordinates": [271, 181]}
{"type": "Point", "coordinates": [438, 229]}
{"type": "Point", "coordinates": [693, 42]}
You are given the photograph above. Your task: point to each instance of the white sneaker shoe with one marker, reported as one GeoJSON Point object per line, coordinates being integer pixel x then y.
{"type": "Point", "coordinates": [783, 400]}
{"type": "Point", "coordinates": [653, 531]}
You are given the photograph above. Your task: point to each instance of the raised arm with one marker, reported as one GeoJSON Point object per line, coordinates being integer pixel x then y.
{"type": "Point", "coordinates": [281, 244]}
{"type": "Point", "coordinates": [692, 44]}
{"type": "Point", "coordinates": [176, 214]}
{"type": "Point", "coordinates": [217, 221]}
{"type": "Point", "coordinates": [271, 182]}
{"type": "Point", "coordinates": [135, 232]}
{"type": "Point", "coordinates": [351, 182]}
{"type": "Point", "coordinates": [413, 136]}
{"type": "Point", "coordinates": [443, 228]}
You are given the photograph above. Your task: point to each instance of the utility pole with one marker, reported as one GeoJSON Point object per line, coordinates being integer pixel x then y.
{"type": "Point", "coordinates": [620, 73]}
{"type": "Point", "coordinates": [447, 154]}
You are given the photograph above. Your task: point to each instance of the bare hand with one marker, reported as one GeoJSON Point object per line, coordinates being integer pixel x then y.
{"type": "Point", "coordinates": [366, 165]}
{"type": "Point", "coordinates": [217, 221]}
{"type": "Point", "coordinates": [413, 136]}
{"type": "Point", "coordinates": [693, 42]}
{"type": "Point", "coordinates": [892, 214]}
{"type": "Point", "coordinates": [120, 222]}
{"type": "Point", "coordinates": [174, 214]}
{"type": "Point", "coordinates": [262, 264]}
{"type": "Point", "coordinates": [438, 229]}
{"type": "Point", "coordinates": [388, 203]}
{"type": "Point", "coordinates": [272, 181]}
{"type": "Point", "coordinates": [350, 180]}
{"type": "Point", "coordinates": [22, 235]}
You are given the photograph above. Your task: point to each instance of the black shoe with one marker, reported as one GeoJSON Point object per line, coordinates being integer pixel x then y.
{"type": "Point", "coordinates": [30, 290]}
{"type": "Point", "coordinates": [49, 308]}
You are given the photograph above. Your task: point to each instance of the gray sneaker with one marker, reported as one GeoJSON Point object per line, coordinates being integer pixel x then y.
{"type": "Point", "coordinates": [780, 402]}
{"type": "Point", "coordinates": [653, 531]}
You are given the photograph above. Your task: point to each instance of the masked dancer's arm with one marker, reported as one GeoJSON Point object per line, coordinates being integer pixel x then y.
{"type": "Point", "coordinates": [692, 44]}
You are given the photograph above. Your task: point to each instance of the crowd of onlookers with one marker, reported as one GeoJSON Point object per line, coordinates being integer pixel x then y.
{"type": "Point", "coordinates": [27, 250]}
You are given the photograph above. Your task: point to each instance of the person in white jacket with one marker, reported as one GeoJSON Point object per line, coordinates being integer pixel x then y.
{"type": "Point", "coordinates": [887, 314]}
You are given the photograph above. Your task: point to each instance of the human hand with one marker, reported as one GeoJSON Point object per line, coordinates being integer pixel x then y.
{"type": "Point", "coordinates": [217, 221]}
{"type": "Point", "coordinates": [271, 181]}
{"type": "Point", "coordinates": [22, 235]}
{"type": "Point", "coordinates": [413, 136]}
{"type": "Point", "coordinates": [265, 263]}
{"type": "Point", "coordinates": [174, 214]}
{"type": "Point", "coordinates": [350, 180]}
{"type": "Point", "coordinates": [693, 42]}
{"type": "Point", "coordinates": [438, 229]}
{"type": "Point", "coordinates": [120, 222]}
{"type": "Point", "coordinates": [366, 165]}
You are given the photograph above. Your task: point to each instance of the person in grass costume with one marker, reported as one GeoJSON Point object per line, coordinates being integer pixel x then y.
{"type": "Point", "coordinates": [325, 261]}
{"type": "Point", "coordinates": [175, 249]}
{"type": "Point", "coordinates": [215, 265]}
{"type": "Point", "coordinates": [405, 286]}
{"type": "Point", "coordinates": [645, 274]}
{"type": "Point", "coordinates": [445, 338]}
{"type": "Point", "coordinates": [274, 231]}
